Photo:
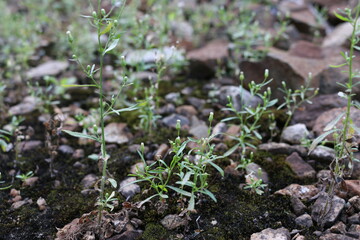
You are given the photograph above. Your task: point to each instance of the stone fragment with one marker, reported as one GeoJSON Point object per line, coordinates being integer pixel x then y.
{"type": "Point", "coordinates": [173, 97]}
{"type": "Point", "coordinates": [257, 172]}
{"type": "Point", "coordinates": [304, 221]}
{"type": "Point", "coordinates": [354, 219]}
{"type": "Point", "coordinates": [334, 236]}
{"type": "Point", "coordinates": [355, 202]}
{"type": "Point", "coordinates": [297, 205]}
{"type": "Point", "coordinates": [339, 227]}
{"type": "Point", "coordinates": [89, 180]}
{"type": "Point", "coordinates": [66, 149]}
{"type": "Point", "coordinates": [306, 49]}
{"type": "Point", "coordinates": [303, 192]}
{"type": "Point", "coordinates": [168, 54]}
{"type": "Point", "coordinates": [19, 204]}
{"type": "Point", "coordinates": [301, 168]}
{"type": "Point", "coordinates": [30, 182]}
{"type": "Point", "coordinates": [339, 36]}
{"type": "Point", "coordinates": [353, 187]}
{"type": "Point", "coordinates": [333, 209]}
{"type": "Point", "coordinates": [117, 133]}
{"type": "Point", "coordinates": [171, 121]}
{"type": "Point", "coordinates": [204, 60]}
{"type": "Point", "coordinates": [49, 68]}
{"type": "Point", "coordinates": [198, 128]}
{"type": "Point", "coordinates": [186, 110]}
{"type": "Point", "coordinates": [323, 154]}
{"type": "Point", "coordinates": [161, 151]}
{"type": "Point", "coordinates": [271, 234]}
{"type": "Point", "coordinates": [295, 134]}
{"type": "Point", "coordinates": [41, 203]}
{"type": "Point", "coordinates": [129, 189]}
{"type": "Point", "coordinates": [173, 221]}
{"type": "Point", "coordinates": [240, 97]}
{"type": "Point", "coordinates": [182, 30]}
{"type": "Point", "coordinates": [30, 145]}
{"type": "Point", "coordinates": [282, 148]}
{"type": "Point", "coordinates": [307, 113]}
{"type": "Point", "coordinates": [27, 106]}
{"type": "Point", "coordinates": [78, 154]}
{"type": "Point", "coordinates": [325, 118]}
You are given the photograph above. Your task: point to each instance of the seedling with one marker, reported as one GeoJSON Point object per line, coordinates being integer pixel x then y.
{"type": "Point", "coordinates": [24, 177]}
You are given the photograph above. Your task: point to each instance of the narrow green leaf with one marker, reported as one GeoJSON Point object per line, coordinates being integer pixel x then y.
{"type": "Point", "coordinates": [219, 169]}
{"type": "Point", "coordinates": [345, 19]}
{"type": "Point", "coordinates": [112, 45]}
{"type": "Point", "coordinates": [113, 182]}
{"type": "Point", "coordinates": [210, 194]}
{"type": "Point", "coordinates": [332, 124]}
{"type": "Point", "coordinates": [320, 138]}
{"type": "Point", "coordinates": [180, 191]}
{"type": "Point", "coordinates": [78, 85]}
{"type": "Point", "coordinates": [81, 135]}
{"type": "Point", "coordinates": [338, 66]}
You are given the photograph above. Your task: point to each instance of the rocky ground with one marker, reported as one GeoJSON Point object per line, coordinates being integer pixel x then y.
{"type": "Point", "coordinates": [57, 201]}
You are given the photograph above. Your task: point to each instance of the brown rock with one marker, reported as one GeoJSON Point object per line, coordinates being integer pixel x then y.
{"type": "Point", "coordinates": [307, 113]}
{"type": "Point", "coordinates": [303, 192]}
{"type": "Point", "coordinates": [353, 187]}
{"type": "Point", "coordinates": [301, 168]}
{"type": "Point", "coordinates": [50, 68]}
{"type": "Point", "coordinates": [30, 181]}
{"type": "Point", "coordinates": [306, 50]}
{"type": "Point", "coordinates": [174, 221]}
{"type": "Point", "coordinates": [325, 118]}
{"type": "Point", "coordinates": [161, 151]}
{"type": "Point", "coordinates": [204, 60]}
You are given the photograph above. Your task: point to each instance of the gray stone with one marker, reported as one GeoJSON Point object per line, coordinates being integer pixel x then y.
{"type": "Point", "coordinates": [295, 134]}
{"type": "Point", "coordinates": [354, 219]}
{"type": "Point", "coordinates": [301, 168]}
{"type": "Point", "coordinates": [168, 54]}
{"type": "Point", "coordinates": [198, 128]}
{"type": "Point", "coordinates": [117, 133]}
{"type": "Point", "coordinates": [66, 149]}
{"type": "Point", "coordinates": [240, 97]}
{"type": "Point", "coordinates": [183, 30]}
{"type": "Point", "coordinates": [355, 203]}
{"type": "Point", "coordinates": [49, 68]}
{"type": "Point", "coordinates": [28, 105]}
{"type": "Point", "coordinates": [333, 206]}
{"type": "Point", "coordinates": [129, 189]}
{"type": "Point", "coordinates": [257, 172]}
{"type": "Point", "coordinates": [173, 97]}
{"type": "Point", "coordinates": [323, 154]}
{"type": "Point", "coordinates": [171, 121]}
{"type": "Point", "coordinates": [89, 180]}
{"type": "Point", "coordinates": [339, 227]}
{"type": "Point", "coordinates": [297, 205]}
{"type": "Point", "coordinates": [174, 221]}
{"type": "Point", "coordinates": [334, 236]}
{"type": "Point", "coordinates": [304, 221]}
{"type": "Point", "coordinates": [271, 234]}
{"type": "Point", "coordinates": [282, 148]}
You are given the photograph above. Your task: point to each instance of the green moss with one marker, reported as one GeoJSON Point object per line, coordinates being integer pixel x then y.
{"type": "Point", "coordinates": [154, 232]}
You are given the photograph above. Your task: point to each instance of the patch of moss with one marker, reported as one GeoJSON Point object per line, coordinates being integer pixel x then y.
{"type": "Point", "coordinates": [154, 232]}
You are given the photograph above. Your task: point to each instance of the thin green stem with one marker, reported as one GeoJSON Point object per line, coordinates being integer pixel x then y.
{"type": "Point", "coordinates": [350, 83]}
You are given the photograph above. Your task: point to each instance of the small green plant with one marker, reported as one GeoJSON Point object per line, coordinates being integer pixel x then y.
{"type": "Point", "coordinates": [107, 202]}
{"type": "Point", "coordinates": [294, 98]}
{"type": "Point", "coordinates": [1, 182]}
{"type": "Point", "coordinates": [249, 117]}
{"type": "Point", "coordinates": [186, 173]}
{"type": "Point", "coordinates": [23, 177]}
{"type": "Point", "coordinates": [254, 184]}
{"type": "Point", "coordinates": [344, 137]}
{"type": "Point", "coordinates": [4, 139]}
{"type": "Point", "coordinates": [104, 24]}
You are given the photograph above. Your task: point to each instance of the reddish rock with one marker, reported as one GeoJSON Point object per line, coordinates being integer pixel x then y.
{"type": "Point", "coordinates": [325, 118]}
{"type": "Point", "coordinates": [117, 133]}
{"type": "Point", "coordinates": [307, 113]}
{"type": "Point", "coordinates": [204, 60]}
{"type": "Point", "coordinates": [353, 187]}
{"type": "Point", "coordinates": [301, 168]}
{"type": "Point", "coordinates": [306, 50]}
{"type": "Point", "coordinates": [303, 192]}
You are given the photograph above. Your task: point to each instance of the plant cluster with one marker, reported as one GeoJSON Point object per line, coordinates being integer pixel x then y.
{"type": "Point", "coordinates": [186, 173]}
{"type": "Point", "coordinates": [344, 135]}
